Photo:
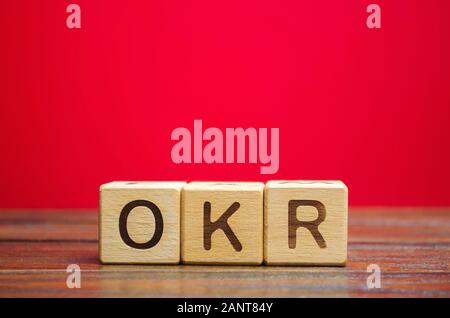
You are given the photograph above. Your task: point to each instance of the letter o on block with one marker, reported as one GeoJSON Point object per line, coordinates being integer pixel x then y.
{"type": "Point", "coordinates": [123, 220]}
{"type": "Point", "coordinates": [140, 222]}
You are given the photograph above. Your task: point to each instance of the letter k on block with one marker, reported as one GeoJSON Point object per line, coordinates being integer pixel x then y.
{"type": "Point", "coordinates": [222, 223]}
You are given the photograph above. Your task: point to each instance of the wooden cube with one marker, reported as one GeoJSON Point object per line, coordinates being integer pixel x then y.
{"type": "Point", "coordinates": [305, 223]}
{"type": "Point", "coordinates": [140, 222]}
{"type": "Point", "coordinates": [222, 223]}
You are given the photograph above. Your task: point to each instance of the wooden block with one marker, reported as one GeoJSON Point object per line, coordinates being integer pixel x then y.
{"type": "Point", "coordinates": [222, 223]}
{"type": "Point", "coordinates": [305, 223]}
{"type": "Point", "coordinates": [140, 222]}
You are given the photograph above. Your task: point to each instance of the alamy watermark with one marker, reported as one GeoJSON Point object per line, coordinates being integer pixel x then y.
{"type": "Point", "coordinates": [74, 278]}
{"type": "Point", "coordinates": [73, 20]}
{"type": "Point", "coordinates": [374, 279]}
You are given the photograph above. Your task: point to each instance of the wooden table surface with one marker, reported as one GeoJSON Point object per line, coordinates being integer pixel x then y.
{"type": "Point", "coordinates": [411, 246]}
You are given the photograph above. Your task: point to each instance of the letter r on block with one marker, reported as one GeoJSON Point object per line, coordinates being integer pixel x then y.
{"type": "Point", "coordinates": [312, 226]}
{"type": "Point", "coordinates": [320, 208]}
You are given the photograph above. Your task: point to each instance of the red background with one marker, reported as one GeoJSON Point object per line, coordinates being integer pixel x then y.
{"type": "Point", "coordinates": [84, 107]}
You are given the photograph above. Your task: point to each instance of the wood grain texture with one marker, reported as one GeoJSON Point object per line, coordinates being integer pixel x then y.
{"type": "Point", "coordinates": [305, 223]}
{"type": "Point", "coordinates": [411, 245]}
{"type": "Point", "coordinates": [232, 233]}
{"type": "Point", "coordinates": [140, 222]}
